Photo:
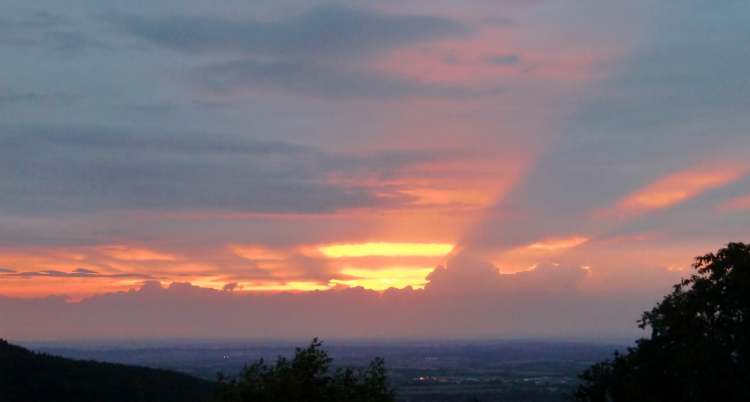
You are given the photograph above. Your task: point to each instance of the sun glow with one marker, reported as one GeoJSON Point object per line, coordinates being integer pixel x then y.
{"type": "Point", "coordinates": [292, 286]}
{"type": "Point", "coordinates": [384, 249]}
{"type": "Point", "coordinates": [385, 278]}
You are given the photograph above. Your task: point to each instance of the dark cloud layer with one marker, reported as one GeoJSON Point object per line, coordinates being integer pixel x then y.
{"type": "Point", "coordinates": [319, 80]}
{"type": "Point", "coordinates": [69, 169]}
{"type": "Point", "coordinates": [10, 97]}
{"type": "Point", "coordinates": [317, 53]}
{"type": "Point", "coordinates": [318, 33]}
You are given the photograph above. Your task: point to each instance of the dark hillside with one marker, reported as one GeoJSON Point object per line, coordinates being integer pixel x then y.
{"type": "Point", "coordinates": [26, 376]}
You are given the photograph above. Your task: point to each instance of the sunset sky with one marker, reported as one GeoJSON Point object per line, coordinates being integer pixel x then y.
{"type": "Point", "coordinates": [506, 163]}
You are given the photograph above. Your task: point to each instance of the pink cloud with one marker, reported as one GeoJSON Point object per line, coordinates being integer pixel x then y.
{"type": "Point", "coordinates": [741, 203]}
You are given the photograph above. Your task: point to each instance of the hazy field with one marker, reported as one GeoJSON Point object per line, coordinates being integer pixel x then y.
{"type": "Point", "coordinates": [420, 371]}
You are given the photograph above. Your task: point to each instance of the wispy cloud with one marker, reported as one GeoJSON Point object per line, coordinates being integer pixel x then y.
{"type": "Point", "coordinates": [319, 53]}
{"type": "Point", "coordinates": [76, 273]}
{"type": "Point", "coordinates": [319, 80]}
{"type": "Point", "coordinates": [676, 188]}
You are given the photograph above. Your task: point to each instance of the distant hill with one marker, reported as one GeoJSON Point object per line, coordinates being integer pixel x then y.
{"type": "Point", "coordinates": [26, 376]}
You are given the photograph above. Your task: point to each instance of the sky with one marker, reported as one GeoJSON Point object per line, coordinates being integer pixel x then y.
{"type": "Point", "coordinates": [419, 169]}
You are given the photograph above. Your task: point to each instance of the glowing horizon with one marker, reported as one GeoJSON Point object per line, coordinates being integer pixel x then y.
{"type": "Point", "coordinates": [386, 249]}
{"type": "Point", "coordinates": [386, 277]}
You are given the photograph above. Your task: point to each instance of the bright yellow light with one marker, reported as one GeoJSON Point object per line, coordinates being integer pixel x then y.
{"type": "Point", "coordinates": [295, 286]}
{"type": "Point", "coordinates": [382, 279]}
{"type": "Point", "coordinates": [287, 286]}
{"type": "Point", "coordinates": [384, 249]}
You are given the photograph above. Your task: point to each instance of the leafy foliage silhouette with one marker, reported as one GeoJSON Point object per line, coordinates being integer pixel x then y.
{"type": "Point", "coordinates": [307, 377]}
{"type": "Point", "coordinates": [699, 349]}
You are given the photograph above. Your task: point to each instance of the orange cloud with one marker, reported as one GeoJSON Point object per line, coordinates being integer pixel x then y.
{"type": "Point", "coordinates": [385, 278]}
{"type": "Point", "coordinates": [130, 253]}
{"type": "Point", "coordinates": [83, 271]}
{"type": "Point", "coordinates": [559, 243]}
{"type": "Point", "coordinates": [492, 54]}
{"type": "Point", "coordinates": [531, 255]}
{"type": "Point", "coordinates": [256, 252]}
{"type": "Point", "coordinates": [676, 188]}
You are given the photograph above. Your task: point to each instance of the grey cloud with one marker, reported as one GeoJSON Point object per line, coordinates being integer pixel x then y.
{"type": "Point", "coordinates": [504, 60]}
{"type": "Point", "coordinates": [321, 80]}
{"type": "Point", "coordinates": [102, 139]}
{"type": "Point", "coordinates": [320, 32]}
{"type": "Point", "coordinates": [71, 42]}
{"type": "Point", "coordinates": [464, 274]}
{"type": "Point", "coordinates": [32, 22]}
{"type": "Point", "coordinates": [316, 53]}
{"type": "Point", "coordinates": [10, 97]}
{"type": "Point", "coordinates": [151, 108]}
{"type": "Point", "coordinates": [70, 169]}
{"type": "Point", "coordinates": [498, 21]}
{"type": "Point", "coordinates": [6, 271]}
{"type": "Point", "coordinates": [230, 287]}
{"type": "Point", "coordinates": [51, 31]}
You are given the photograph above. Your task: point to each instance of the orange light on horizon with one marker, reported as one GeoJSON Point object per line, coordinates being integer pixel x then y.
{"type": "Point", "coordinates": [292, 286]}
{"type": "Point", "coordinates": [386, 249]}
{"type": "Point", "coordinates": [385, 278]}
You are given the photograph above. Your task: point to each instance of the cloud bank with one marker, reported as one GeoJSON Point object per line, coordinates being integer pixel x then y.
{"type": "Point", "coordinates": [466, 299]}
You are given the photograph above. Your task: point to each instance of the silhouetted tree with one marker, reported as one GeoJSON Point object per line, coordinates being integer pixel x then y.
{"type": "Point", "coordinates": [307, 378]}
{"type": "Point", "coordinates": [699, 349]}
